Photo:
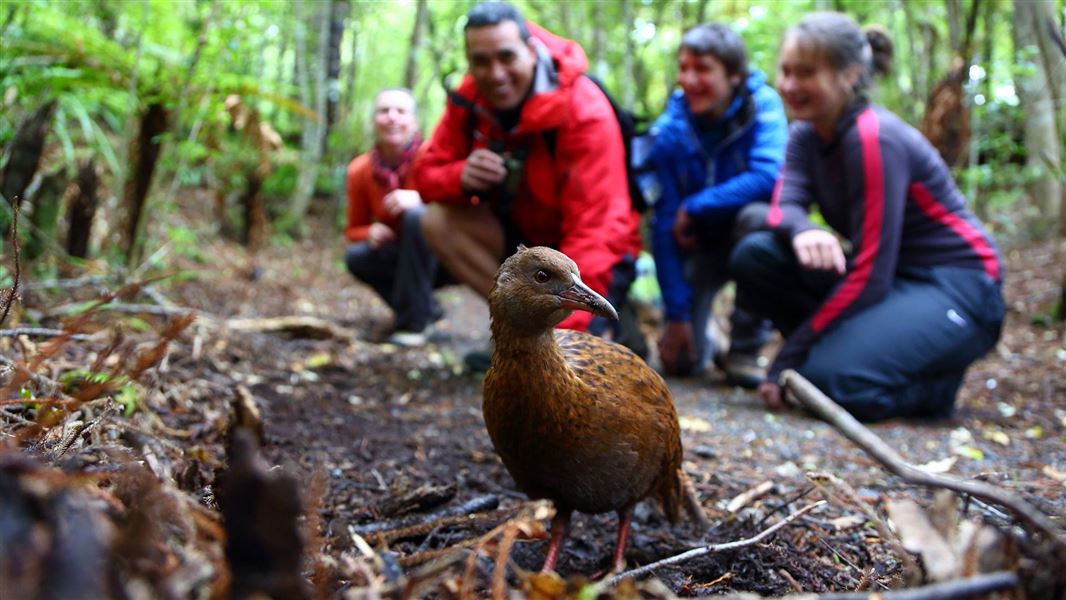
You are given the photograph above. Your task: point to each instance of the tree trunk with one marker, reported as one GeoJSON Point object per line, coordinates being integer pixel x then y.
{"type": "Point", "coordinates": [353, 65]}
{"type": "Point", "coordinates": [410, 73]}
{"type": "Point", "coordinates": [279, 74]}
{"type": "Point", "coordinates": [24, 156]}
{"type": "Point", "coordinates": [333, 61]}
{"type": "Point", "coordinates": [47, 202]}
{"type": "Point", "coordinates": [314, 140]}
{"type": "Point", "coordinates": [701, 11]}
{"type": "Point", "coordinates": [81, 211]}
{"type": "Point", "coordinates": [254, 231]}
{"type": "Point", "coordinates": [143, 154]}
{"type": "Point", "coordinates": [599, 45]}
{"type": "Point", "coordinates": [628, 78]}
{"type": "Point", "coordinates": [1038, 93]}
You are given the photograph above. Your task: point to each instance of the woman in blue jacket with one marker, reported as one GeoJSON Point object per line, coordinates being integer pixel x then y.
{"type": "Point", "coordinates": [718, 150]}
{"type": "Point", "coordinates": [886, 323]}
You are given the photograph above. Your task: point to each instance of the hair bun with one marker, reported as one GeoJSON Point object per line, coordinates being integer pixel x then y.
{"type": "Point", "coordinates": [882, 48]}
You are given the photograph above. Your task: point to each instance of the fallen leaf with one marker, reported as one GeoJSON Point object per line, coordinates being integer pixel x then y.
{"type": "Point", "coordinates": [969, 452]}
{"type": "Point", "coordinates": [694, 424]}
{"type": "Point", "coordinates": [997, 436]}
{"type": "Point", "coordinates": [920, 537]}
{"type": "Point", "coordinates": [315, 361]}
{"type": "Point", "coordinates": [847, 522]}
{"type": "Point", "coordinates": [1054, 473]}
{"type": "Point", "coordinates": [939, 466]}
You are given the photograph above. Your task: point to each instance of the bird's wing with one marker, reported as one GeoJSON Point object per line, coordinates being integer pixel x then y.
{"type": "Point", "coordinates": [609, 366]}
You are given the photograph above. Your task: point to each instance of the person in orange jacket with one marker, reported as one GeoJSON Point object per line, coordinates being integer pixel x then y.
{"type": "Point", "coordinates": [528, 151]}
{"type": "Point", "coordinates": [387, 250]}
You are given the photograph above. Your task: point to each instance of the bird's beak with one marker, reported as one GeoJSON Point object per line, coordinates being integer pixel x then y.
{"type": "Point", "coordinates": [580, 297]}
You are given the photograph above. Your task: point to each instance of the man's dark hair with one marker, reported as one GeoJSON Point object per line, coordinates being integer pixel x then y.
{"type": "Point", "coordinates": [720, 42]}
{"type": "Point", "coordinates": [484, 14]}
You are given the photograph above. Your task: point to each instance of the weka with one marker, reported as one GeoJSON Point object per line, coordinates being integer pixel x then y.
{"type": "Point", "coordinates": [576, 419]}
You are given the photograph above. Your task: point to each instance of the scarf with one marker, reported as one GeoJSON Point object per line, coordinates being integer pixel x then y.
{"type": "Point", "coordinates": [388, 175]}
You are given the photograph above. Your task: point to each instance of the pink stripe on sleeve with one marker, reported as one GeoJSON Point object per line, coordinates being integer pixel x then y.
{"type": "Point", "coordinates": [935, 210]}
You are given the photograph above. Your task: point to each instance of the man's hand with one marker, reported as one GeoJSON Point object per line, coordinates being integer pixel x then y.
{"type": "Point", "coordinates": [483, 170]}
{"type": "Point", "coordinates": [817, 249]}
{"type": "Point", "coordinates": [397, 202]}
{"type": "Point", "coordinates": [683, 230]}
{"type": "Point", "coordinates": [677, 348]}
{"type": "Point", "coordinates": [774, 397]}
{"type": "Point", "coordinates": [379, 234]}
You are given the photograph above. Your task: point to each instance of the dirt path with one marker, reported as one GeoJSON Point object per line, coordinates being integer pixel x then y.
{"type": "Point", "coordinates": [378, 423]}
{"type": "Point", "coordinates": [381, 421]}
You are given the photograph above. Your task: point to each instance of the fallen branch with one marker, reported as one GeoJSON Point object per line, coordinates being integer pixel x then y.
{"type": "Point", "coordinates": [65, 284]}
{"type": "Point", "coordinates": [831, 412]}
{"type": "Point", "coordinates": [959, 589]}
{"type": "Point", "coordinates": [44, 332]}
{"type": "Point", "coordinates": [295, 325]}
{"type": "Point", "coordinates": [648, 568]}
{"type": "Point", "coordinates": [427, 522]}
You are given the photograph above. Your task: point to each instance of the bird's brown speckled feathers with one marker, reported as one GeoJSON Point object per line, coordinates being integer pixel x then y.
{"type": "Point", "coordinates": [576, 419]}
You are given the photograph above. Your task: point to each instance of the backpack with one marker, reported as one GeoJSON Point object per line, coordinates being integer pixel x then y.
{"type": "Point", "coordinates": [635, 139]}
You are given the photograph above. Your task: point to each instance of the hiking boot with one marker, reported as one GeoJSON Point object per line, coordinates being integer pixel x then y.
{"type": "Point", "coordinates": [407, 339]}
{"type": "Point", "coordinates": [744, 370]}
{"type": "Point", "coordinates": [479, 361]}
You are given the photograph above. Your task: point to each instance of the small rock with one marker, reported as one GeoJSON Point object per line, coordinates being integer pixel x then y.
{"type": "Point", "coordinates": [704, 451]}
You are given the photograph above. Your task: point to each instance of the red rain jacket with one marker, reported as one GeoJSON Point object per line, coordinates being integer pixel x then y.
{"type": "Point", "coordinates": [575, 198]}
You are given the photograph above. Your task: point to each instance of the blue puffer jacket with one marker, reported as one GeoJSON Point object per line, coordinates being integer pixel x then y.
{"type": "Point", "coordinates": [714, 170]}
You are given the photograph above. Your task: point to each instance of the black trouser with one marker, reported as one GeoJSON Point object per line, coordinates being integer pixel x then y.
{"type": "Point", "coordinates": [905, 355]}
{"type": "Point", "coordinates": [403, 273]}
{"type": "Point", "coordinates": [707, 271]}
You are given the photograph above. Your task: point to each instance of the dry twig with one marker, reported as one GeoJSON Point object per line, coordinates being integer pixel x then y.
{"type": "Point", "coordinates": [831, 412]}
{"type": "Point", "coordinates": [712, 548]}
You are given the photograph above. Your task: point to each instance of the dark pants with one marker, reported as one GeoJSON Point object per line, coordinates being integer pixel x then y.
{"type": "Point", "coordinates": [403, 274]}
{"type": "Point", "coordinates": [707, 271]}
{"type": "Point", "coordinates": [902, 357]}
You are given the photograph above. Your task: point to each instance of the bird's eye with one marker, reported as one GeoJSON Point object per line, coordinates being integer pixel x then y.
{"type": "Point", "coordinates": [542, 276]}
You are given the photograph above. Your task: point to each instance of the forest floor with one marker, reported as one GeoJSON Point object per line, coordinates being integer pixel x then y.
{"type": "Point", "coordinates": [373, 433]}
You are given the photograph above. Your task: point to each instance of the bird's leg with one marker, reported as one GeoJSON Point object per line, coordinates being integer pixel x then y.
{"type": "Point", "coordinates": [560, 522]}
{"type": "Point", "coordinates": [625, 517]}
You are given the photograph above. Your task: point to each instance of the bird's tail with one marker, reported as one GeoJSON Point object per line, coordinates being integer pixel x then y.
{"type": "Point", "coordinates": [690, 501]}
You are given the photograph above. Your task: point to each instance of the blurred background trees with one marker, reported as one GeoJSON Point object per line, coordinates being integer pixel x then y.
{"type": "Point", "coordinates": [113, 110]}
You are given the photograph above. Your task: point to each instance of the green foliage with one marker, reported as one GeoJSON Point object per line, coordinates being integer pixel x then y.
{"type": "Point", "coordinates": [105, 60]}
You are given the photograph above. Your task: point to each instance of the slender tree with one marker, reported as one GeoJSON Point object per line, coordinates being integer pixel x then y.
{"type": "Point", "coordinates": [410, 73]}
{"type": "Point", "coordinates": [1041, 91]}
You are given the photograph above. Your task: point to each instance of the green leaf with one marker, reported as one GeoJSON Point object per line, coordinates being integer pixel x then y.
{"type": "Point", "coordinates": [127, 397]}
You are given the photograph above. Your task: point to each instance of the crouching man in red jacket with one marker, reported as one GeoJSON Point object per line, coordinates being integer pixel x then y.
{"type": "Point", "coordinates": [529, 151]}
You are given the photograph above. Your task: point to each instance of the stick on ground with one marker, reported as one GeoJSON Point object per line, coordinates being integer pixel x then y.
{"type": "Point", "coordinates": [831, 412]}
{"type": "Point", "coordinates": [689, 554]}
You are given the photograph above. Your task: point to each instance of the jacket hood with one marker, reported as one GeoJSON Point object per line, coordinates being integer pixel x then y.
{"type": "Point", "coordinates": [570, 59]}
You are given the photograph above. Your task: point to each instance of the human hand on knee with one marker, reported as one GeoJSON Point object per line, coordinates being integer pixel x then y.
{"type": "Point", "coordinates": [818, 249]}
{"type": "Point", "coordinates": [379, 235]}
{"type": "Point", "coordinates": [398, 201]}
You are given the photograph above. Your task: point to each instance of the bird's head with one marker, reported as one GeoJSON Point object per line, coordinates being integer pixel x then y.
{"type": "Point", "coordinates": [536, 288]}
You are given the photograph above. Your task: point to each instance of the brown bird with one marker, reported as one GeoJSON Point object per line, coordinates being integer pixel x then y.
{"type": "Point", "coordinates": [576, 419]}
